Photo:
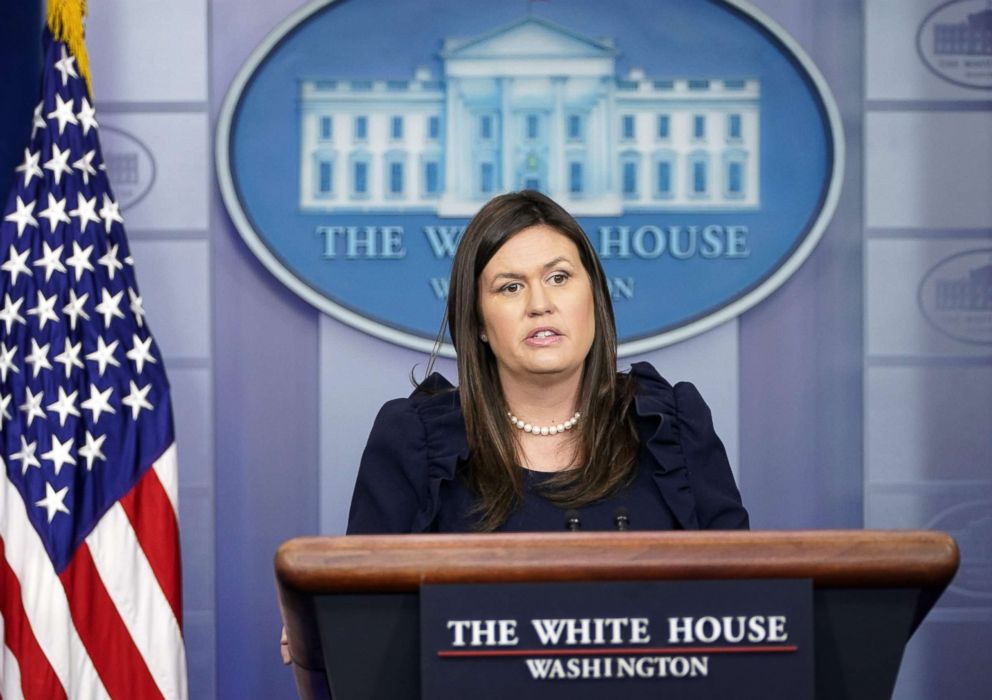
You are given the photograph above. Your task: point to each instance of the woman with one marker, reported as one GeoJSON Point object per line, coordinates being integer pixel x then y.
{"type": "Point", "coordinates": [542, 432]}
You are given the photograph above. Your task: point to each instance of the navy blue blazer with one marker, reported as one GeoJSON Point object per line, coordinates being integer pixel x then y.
{"type": "Point", "coordinates": [407, 481]}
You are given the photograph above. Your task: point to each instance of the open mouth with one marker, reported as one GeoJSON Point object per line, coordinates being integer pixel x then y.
{"type": "Point", "coordinates": [543, 336]}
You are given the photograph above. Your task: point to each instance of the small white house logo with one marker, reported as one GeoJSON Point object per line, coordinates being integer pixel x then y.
{"type": "Point", "coordinates": [955, 296]}
{"type": "Point", "coordinates": [130, 165]}
{"type": "Point", "coordinates": [955, 42]}
{"type": "Point", "coordinates": [361, 137]}
{"type": "Point", "coordinates": [971, 526]}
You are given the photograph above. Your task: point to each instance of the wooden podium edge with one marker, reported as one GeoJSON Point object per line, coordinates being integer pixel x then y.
{"type": "Point", "coordinates": [831, 558]}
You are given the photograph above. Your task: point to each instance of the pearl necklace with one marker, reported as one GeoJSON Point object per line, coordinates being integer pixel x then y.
{"type": "Point", "coordinates": [544, 429]}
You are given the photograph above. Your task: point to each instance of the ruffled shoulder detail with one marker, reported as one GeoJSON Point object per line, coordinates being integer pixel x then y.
{"type": "Point", "coordinates": [437, 404]}
{"type": "Point", "coordinates": [657, 409]}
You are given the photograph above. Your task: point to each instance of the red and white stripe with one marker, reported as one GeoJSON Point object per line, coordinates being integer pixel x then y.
{"type": "Point", "coordinates": [109, 625]}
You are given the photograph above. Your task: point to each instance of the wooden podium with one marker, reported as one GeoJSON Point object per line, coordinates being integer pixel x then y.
{"type": "Point", "coordinates": [351, 606]}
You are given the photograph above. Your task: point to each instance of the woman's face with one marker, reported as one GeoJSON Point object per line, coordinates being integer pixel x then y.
{"type": "Point", "coordinates": [536, 305]}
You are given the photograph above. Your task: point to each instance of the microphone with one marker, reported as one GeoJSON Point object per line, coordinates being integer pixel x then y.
{"type": "Point", "coordinates": [572, 521]}
{"type": "Point", "coordinates": [622, 519]}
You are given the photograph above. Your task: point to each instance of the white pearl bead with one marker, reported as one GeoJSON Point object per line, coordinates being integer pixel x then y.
{"type": "Point", "coordinates": [553, 429]}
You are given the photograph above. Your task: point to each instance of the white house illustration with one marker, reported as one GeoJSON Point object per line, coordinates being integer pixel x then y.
{"type": "Point", "coordinates": [530, 105]}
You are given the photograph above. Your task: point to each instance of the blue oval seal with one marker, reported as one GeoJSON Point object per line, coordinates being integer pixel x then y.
{"type": "Point", "coordinates": [696, 143]}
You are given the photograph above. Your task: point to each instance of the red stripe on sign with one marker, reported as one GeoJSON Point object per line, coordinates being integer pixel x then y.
{"type": "Point", "coordinates": [116, 659]}
{"type": "Point", "coordinates": [38, 679]}
{"type": "Point", "coordinates": [154, 521]}
{"type": "Point", "coordinates": [614, 651]}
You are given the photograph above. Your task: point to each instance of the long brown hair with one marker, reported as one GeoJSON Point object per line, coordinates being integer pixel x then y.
{"type": "Point", "coordinates": [605, 447]}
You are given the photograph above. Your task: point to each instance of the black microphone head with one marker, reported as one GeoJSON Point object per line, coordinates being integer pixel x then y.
{"type": "Point", "coordinates": [572, 521]}
{"type": "Point", "coordinates": [622, 518]}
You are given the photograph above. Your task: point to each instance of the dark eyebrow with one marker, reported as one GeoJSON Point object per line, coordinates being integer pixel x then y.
{"type": "Point", "coordinates": [559, 259]}
{"type": "Point", "coordinates": [548, 265]}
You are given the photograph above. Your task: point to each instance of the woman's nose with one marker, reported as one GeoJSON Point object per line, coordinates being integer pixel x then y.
{"type": "Point", "coordinates": [539, 301]}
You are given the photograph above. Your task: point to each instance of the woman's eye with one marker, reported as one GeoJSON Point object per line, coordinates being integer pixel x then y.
{"type": "Point", "coordinates": [558, 278]}
{"type": "Point", "coordinates": [511, 288]}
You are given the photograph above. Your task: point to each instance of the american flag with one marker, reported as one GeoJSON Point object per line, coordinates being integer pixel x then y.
{"type": "Point", "coordinates": [90, 591]}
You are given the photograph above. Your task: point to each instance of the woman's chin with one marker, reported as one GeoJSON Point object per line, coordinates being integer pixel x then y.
{"type": "Point", "coordinates": [550, 363]}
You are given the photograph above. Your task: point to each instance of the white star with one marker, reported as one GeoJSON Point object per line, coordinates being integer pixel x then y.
{"type": "Point", "coordinates": [7, 361]}
{"type": "Point", "coordinates": [70, 356]}
{"type": "Point", "coordinates": [110, 212]}
{"type": "Point", "coordinates": [80, 258]}
{"type": "Point", "coordinates": [109, 306]}
{"type": "Point", "coordinates": [51, 260]}
{"type": "Point", "coordinates": [9, 313]}
{"type": "Point", "coordinates": [38, 358]}
{"type": "Point", "coordinates": [32, 406]}
{"type": "Point", "coordinates": [63, 112]}
{"type": "Point", "coordinates": [23, 216]}
{"type": "Point", "coordinates": [111, 261]}
{"type": "Point", "coordinates": [141, 352]}
{"type": "Point", "coordinates": [26, 456]}
{"type": "Point", "coordinates": [54, 501]}
{"type": "Point", "coordinates": [15, 264]}
{"type": "Point", "coordinates": [129, 260]}
{"type": "Point", "coordinates": [136, 307]}
{"type": "Point", "coordinates": [91, 450]}
{"type": "Point", "coordinates": [74, 308]}
{"type": "Point", "coordinates": [55, 213]}
{"type": "Point", "coordinates": [30, 166]}
{"type": "Point", "coordinates": [137, 399]}
{"type": "Point", "coordinates": [104, 354]}
{"type": "Point", "coordinates": [85, 210]}
{"type": "Point", "coordinates": [98, 402]}
{"type": "Point", "coordinates": [59, 162]}
{"type": "Point", "coordinates": [65, 406]}
{"type": "Point", "coordinates": [60, 454]}
{"type": "Point", "coordinates": [85, 165]}
{"type": "Point", "coordinates": [4, 414]}
{"type": "Point", "coordinates": [87, 116]}
{"type": "Point", "coordinates": [65, 66]}
{"type": "Point", "coordinates": [39, 121]}
{"type": "Point", "coordinates": [45, 310]}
